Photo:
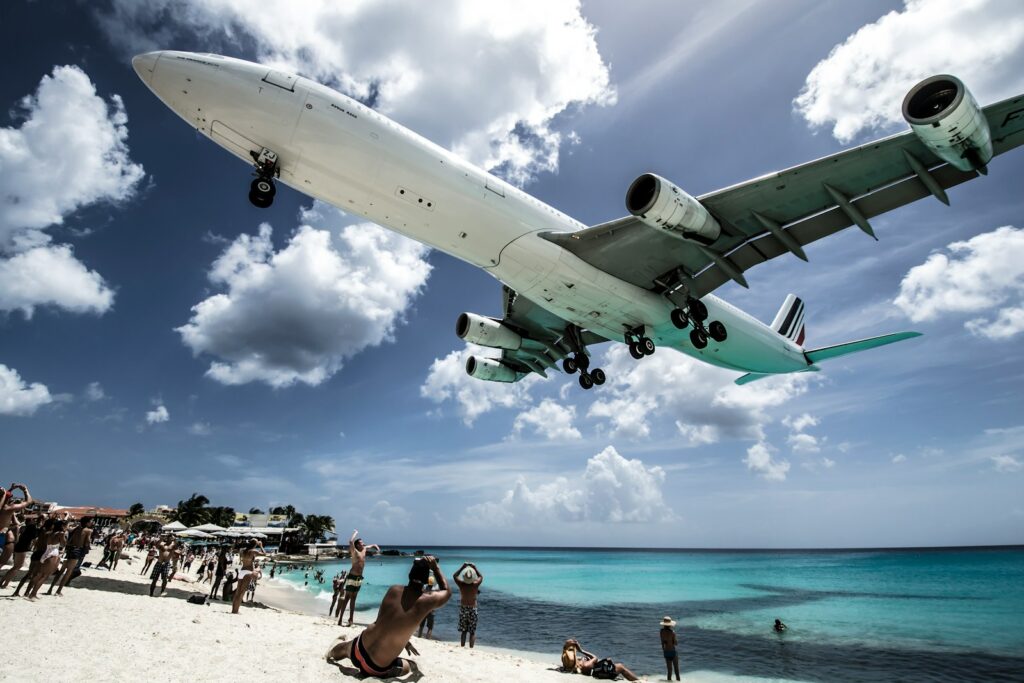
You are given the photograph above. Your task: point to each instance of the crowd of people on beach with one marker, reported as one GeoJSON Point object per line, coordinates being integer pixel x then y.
{"type": "Point", "coordinates": [56, 545]}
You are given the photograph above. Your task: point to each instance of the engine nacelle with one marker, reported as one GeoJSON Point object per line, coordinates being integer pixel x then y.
{"type": "Point", "coordinates": [478, 329]}
{"type": "Point", "coordinates": [491, 370]}
{"type": "Point", "coordinates": [663, 206]}
{"type": "Point", "coordinates": [943, 113]}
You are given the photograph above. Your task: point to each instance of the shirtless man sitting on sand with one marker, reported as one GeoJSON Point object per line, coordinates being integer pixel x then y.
{"type": "Point", "coordinates": [8, 508]}
{"type": "Point", "coordinates": [354, 580]}
{"type": "Point", "coordinates": [246, 574]}
{"type": "Point", "coordinates": [401, 611]}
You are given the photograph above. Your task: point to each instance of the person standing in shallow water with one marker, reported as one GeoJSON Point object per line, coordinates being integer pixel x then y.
{"type": "Point", "coordinates": [468, 578]}
{"type": "Point", "coordinates": [354, 581]}
{"type": "Point", "coordinates": [669, 647]}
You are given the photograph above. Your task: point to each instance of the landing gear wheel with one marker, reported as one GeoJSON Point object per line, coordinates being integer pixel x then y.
{"type": "Point", "coordinates": [569, 365]}
{"type": "Point", "coordinates": [646, 346]}
{"type": "Point", "coordinates": [597, 375]}
{"type": "Point", "coordinates": [698, 338]}
{"type": "Point", "coordinates": [679, 318]}
{"type": "Point", "coordinates": [635, 351]}
{"type": "Point", "coordinates": [716, 330]}
{"type": "Point", "coordinates": [260, 201]}
{"type": "Point", "coordinates": [582, 361]}
{"type": "Point", "coordinates": [698, 311]}
{"type": "Point", "coordinates": [586, 381]}
{"type": "Point", "coordinates": [261, 192]}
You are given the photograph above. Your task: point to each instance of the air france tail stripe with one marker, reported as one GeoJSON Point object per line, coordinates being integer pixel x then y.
{"type": "Point", "coordinates": [798, 324]}
{"type": "Point", "coordinates": [798, 307]}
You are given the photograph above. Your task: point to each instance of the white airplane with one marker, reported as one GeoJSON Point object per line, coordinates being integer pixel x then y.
{"type": "Point", "coordinates": [645, 279]}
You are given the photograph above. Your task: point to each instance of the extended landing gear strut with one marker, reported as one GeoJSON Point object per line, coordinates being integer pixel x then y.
{"type": "Point", "coordinates": [697, 313]}
{"type": "Point", "coordinates": [581, 361]}
{"type": "Point", "coordinates": [262, 190]}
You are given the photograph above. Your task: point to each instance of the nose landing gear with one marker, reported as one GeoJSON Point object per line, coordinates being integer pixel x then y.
{"type": "Point", "coordinates": [262, 189]}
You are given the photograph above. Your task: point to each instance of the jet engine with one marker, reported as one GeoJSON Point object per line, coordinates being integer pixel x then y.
{"type": "Point", "coordinates": [663, 206]}
{"type": "Point", "coordinates": [943, 113]}
{"type": "Point", "coordinates": [477, 329]}
{"type": "Point", "coordinates": [490, 369]}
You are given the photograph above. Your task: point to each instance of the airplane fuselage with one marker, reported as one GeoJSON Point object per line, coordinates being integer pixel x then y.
{"type": "Point", "coordinates": [337, 150]}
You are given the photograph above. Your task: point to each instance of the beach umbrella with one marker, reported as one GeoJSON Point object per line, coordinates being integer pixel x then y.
{"type": "Point", "coordinates": [223, 533]}
{"type": "Point", "coordinates": [208, 528]}
{"type": "Point", "coordinates": [194, 533]}
{"type": "Point", "coordinates": [174, 526]}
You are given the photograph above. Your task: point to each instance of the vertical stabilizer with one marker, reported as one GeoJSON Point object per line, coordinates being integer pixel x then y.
{"type": "Point", "coordinates": [789, 321]}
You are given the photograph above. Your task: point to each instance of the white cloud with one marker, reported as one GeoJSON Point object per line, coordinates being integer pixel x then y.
{"type": "Point", "coordinates": [800, 423]}
{"type": "Point", "coordinates": [158, 414]}
{"type": "Point", "coordinates": [483, 79]}
{"type": "Point", "coordinates": [447, 381]}
{"type": "Point", "coordinates": [982, 274]}
{"type": "Point", "coordinates": [803, 443]}
{"type": "Point", "coordinates": [51, 275]}
{"type": "Point", "coordinates": [759, 460]}
{"type": "Point", "coordinates": [229, 460]}
{"type": "Point", "coordinates": [296, 314]}
{"type": "Point", "coordinates": [828, 463]}
{"type": "Point", "coordinates": [862, 82]}
{"type": "Point", "coordinates": [548, 420]}
{"type": "Point", "coordinates": [17, 397]}
{"type": "Point", "coordinates": [898, 458]}
{"type": "Point", "coordinates": [70, 151]}
{"type": "Point", "coordinates": [1006, 463]}
{"type": "Point", "coordinates": [702, 398]}
{"type": "Point", "coordinates": [385, 514]}
{"type": "Point", "coordinates": [611, 489]}
{"type": "Point", "coordinates": [94, 391]}
{"type": "Point", "coordinates": [200, 429]}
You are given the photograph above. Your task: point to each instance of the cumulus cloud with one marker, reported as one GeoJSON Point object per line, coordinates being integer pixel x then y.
{"type": "Point", "coordinates": [1006, 463]}
{"type": "Point", "coordinates": [384, 513]}
{"type": "Point", "coordinates": [296, 314]}
{"type": "Point", "coordinates": [898, 458]}
{"type": "Point", "coordinates": [984, 274]}
{"type": "Point", "coordinates": [70, 151]}
{"type": "Point", "coordinates": [703, 400]}
{"type": "Point", "coordinates": [51, 275]}
{"type": "Point", "coordinates": [447, 381]}
{"type": "Point", "coordinates": [549, 420]}
{"type": "Point", "coordinates": [18, 397]}
{"type": "Point", "coordinates": [200, 429]}
{"type": "Point", "coordinates": [800, 423]}
{"type": "Point", "coordinates": [158, 415]}
{"type": "Point", "coordinates": [94, 391]}
{"type": "Point", "coordinates": [803, 443]}
{"type": "Point", "coordinates": [760, 461]}
{"type": "Point", "coordinates": [486, 80]}
{"type": "Point", "coordinates": [611, 489]}
{"type": "Point", "coordinates": [862, 82]}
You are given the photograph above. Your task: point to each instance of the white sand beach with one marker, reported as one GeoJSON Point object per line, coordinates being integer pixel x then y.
{"type": "Point", "coordinates": [106, 627]}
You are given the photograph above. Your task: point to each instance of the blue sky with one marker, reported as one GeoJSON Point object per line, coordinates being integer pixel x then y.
{"type": "Point", "coordinates": [117, 214]}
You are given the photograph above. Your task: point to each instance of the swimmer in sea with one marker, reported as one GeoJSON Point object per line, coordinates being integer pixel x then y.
{"type": "Point", "coordinates": [779, 626]}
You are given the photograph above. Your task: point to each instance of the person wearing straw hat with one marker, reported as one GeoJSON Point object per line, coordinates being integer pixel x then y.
{"type": "Point", "coordinates": [669, 645]}
{"type": "Point", "coordinates": [468, 578]}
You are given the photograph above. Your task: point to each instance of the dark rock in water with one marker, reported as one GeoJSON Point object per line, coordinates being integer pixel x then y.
{"type": "Point", "coordinates": [391, 553]}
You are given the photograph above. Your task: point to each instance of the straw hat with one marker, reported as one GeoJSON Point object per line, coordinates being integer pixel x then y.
{"type": "Point", "coordinates": [469, 575]}
{"type": "Point", "coordinates": [667, 621]}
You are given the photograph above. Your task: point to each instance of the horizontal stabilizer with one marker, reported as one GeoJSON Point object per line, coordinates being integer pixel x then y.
{"type": "Point", "coordinates": [827, 352]}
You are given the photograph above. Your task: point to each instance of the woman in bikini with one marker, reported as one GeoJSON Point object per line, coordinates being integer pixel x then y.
{"type": "Point", "coordinates": [52, 541]}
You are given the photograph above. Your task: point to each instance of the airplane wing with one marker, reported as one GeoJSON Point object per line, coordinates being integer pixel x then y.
{"type": "Point", "coordinates": [803, 200]}
{"type": "Point", "coordinates": [544, 335]}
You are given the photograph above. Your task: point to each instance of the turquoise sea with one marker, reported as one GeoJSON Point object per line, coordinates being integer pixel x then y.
{"type": "Point", "coordinates": [858, 615]}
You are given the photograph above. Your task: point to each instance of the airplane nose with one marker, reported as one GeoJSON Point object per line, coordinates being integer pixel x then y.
{"type": "Point", "coordinates": [145, 65]}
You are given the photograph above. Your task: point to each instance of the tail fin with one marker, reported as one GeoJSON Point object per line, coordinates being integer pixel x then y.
{"type": "Point", "coordinates": [789, 321]}
{"type": "Point", "coordinates": [826, 352]}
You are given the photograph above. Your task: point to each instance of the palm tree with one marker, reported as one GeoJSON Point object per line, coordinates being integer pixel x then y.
{"type": "Point", "coordinates": [222, 516]}
{"type": "Point", "coordinates": [136, 509]}
{"type": "Point", "coordinates": [192, 512]}
{"type": "Point", "coordinates": [255, 511]}
{"type": "Point", "coordinates": [316, 527]}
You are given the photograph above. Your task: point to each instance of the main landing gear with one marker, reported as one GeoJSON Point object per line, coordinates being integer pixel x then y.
{"type": "Point", "coordinates": [262, 190]}
{"type": "Point", "coordinates": [696, 313]}
{"type": "Point", "coordinates": [588, 377]}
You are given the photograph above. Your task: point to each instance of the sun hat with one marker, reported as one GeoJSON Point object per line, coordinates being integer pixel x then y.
{"type": "Point", "coordinates": [667, 621]}
{"type": "Point", "coordinates": [469, 575]}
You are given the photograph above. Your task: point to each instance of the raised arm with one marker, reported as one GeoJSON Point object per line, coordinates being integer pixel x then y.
{"type": "Point", "coordinates": [441, 593]}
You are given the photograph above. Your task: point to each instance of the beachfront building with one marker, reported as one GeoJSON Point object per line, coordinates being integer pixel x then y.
{"type": "Point", "coordinates": [106, 518]}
